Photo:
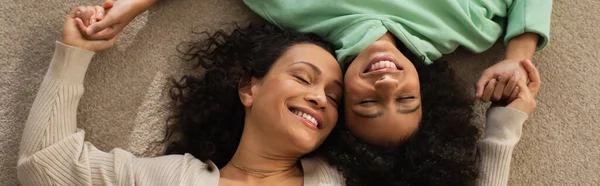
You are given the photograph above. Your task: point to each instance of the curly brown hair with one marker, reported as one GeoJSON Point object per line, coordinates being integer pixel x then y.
{"type": "Point", "coordinates": [441, 152]}
{"type": "Point", "coordinates": [208, 116]}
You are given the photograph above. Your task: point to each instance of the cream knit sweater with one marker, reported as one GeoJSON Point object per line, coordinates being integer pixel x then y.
{"type": "Point", "coordinates": [54, 151]}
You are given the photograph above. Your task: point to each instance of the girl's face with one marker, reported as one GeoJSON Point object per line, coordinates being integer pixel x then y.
{"type": "Point", "coordinates": [382, 95]}
{"type": "Point", "coordinates": [294, 107]}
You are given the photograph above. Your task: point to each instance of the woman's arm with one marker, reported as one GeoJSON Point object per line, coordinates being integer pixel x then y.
{"type": "Point", "coordinates": [53, 150]}
{"type": "Point", "coordinates": [503, 131]}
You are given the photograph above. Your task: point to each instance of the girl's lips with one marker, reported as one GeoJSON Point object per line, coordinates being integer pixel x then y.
{"type": "Point", "coordinates": [382, 58]}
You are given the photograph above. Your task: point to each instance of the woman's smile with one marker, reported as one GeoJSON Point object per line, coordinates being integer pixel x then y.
{"type": "Point", "coordinates": [307, 117]}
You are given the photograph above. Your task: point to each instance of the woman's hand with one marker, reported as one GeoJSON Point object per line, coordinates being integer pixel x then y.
{"type": "Point", "coordinates": [525, 100]}
{"type": "Point", "coordinates": [76, 21]}
{"type": "Point", "coordinates": [523, 95]}
{"type": "Point", "coordinates": [121, 13]}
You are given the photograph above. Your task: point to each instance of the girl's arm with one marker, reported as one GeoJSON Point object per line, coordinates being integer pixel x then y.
{"type": "Point", "coordinates": [527, 31]}
{"type": "Point", "coordinates": [522, 47]}
{"type": "Point", "coordinates": [112, 22]}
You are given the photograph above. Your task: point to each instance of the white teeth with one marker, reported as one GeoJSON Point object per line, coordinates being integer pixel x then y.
{"type": "Point", "coordinates": [383, 64]}
{"type": "Point", "coordinates": [307, 117]}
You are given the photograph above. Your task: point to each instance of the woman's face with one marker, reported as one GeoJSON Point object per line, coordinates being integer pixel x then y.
{"type": "Point", "coordinates": [382, 95]}
{"type": "Point", "coordinates": [294, 107]}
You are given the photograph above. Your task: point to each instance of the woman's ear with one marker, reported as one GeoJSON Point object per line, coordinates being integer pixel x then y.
{"type": "Point", "coordinates": [247, 91]}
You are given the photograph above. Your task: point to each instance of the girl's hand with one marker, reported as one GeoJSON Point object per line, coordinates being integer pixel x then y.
{"type": "Point", "coordinates": [76, 21]}
{"type": "Point", "coordinates": [121, 13]}
{"type": "Point", "coordinates": [523, 96]}
{"type": "Point", "coordinates": [519, 48]}
{"type": "Point", "coordinates": [497, 77]}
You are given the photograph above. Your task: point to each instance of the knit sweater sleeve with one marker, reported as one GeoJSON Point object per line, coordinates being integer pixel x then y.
{"type": "Point", "coordinates": [53, 150]}
{"type": "Point", "coordinates": [529, 16]}
{"type": "Point", "coordinates": [502, 133]}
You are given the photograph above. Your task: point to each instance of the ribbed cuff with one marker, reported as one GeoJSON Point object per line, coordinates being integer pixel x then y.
{"type": "Point", "coordinates": [504, 125]}
{"type": "Point", "coordinates": [69, 64]}
{"type": "Point", "coordinates": [494, 163]}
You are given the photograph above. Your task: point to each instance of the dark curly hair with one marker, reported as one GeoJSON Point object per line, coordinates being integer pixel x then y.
{"type": "Point", "coordinates": [441, 152]}
{"type": "Point", "coordinates": [208, 116]}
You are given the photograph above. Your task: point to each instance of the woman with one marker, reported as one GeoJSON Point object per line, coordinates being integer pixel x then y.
{"type": "Point", "coordinates": [383, 44]}
{"type": "Point", "coordinates": [260, 85]}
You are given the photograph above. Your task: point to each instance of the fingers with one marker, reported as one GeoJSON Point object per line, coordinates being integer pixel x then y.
{"type": "Point", "coordinates": [108, 4]}
{"type": "Point", "coordinates": [524, 91]}
{"type": "Point", "coordinates": [524, 101]}
{"type": "Point", "coordinates": [489, 90]}
{"type": "Point", "coordinates": [77, 12]}
{"type": "Point", "coordinates": [80, 24]}
{"type": "Point", "coordinates": [90, 14]}
{"type": "Point", "coordinates": [500, 86]}
{"type": "Point", "coordinates": [87, 15]}
{"type": "Point", "coordinates": [534, 77]}
{"type": "Point", "coordinates": [102, 30]}
{"type": "Point", "coordinates": [481, 83]}
{"type": "Point", "coordinates": [511, 84]}
{"type": "Point", "coordinates": [77, 15]}
{"type": "Point", "coordinates": [99, 13]}
{"type": "Point", "coordinates": [513, 94]}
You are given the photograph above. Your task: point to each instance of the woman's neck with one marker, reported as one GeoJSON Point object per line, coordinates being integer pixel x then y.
{"type": "Point", "coordinates": [255, 163]}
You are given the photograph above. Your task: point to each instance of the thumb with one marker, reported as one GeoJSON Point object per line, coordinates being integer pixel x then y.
{"type": "Point", "coordinates": [108, 4]}
{"type": "Point", "coordinates": [534, 77]}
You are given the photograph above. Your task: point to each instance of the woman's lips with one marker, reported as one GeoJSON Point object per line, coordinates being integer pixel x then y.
{"type": "Point", "coordinates": [308, 117]}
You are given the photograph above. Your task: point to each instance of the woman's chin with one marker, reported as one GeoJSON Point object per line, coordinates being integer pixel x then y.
{"type": "Point", "coordinates": [305, 145]}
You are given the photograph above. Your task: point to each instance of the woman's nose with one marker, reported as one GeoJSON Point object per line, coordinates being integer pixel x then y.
{"type": "Point", "coordinates": [318, 99]}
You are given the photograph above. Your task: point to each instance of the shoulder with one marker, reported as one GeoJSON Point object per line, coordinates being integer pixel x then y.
{"type": "Point", "coordinates": [319, 172]}
{"type": "Point", "coordinates": [175, 170]}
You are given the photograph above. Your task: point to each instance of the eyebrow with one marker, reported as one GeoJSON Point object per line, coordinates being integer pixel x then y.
{"type": "Point", "coordinates": [315, 68]}
{"type": "Point", "coordinates": [379, 113]}
{"type": "Point", "coordinates": [318, 71]}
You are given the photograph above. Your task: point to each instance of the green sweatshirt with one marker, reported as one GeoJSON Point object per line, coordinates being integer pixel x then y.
{"type": "Point", "coordinates": [429, 28]}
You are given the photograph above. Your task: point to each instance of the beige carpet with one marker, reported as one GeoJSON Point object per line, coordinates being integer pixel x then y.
{"type": "Point", "coordinates": [124, 101]}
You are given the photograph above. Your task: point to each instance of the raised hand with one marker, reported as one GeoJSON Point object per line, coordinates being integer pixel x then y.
{"type": "Point", "coordinates": [76, 21]}
{"type": "Point", "coordinates": [111, 23]}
